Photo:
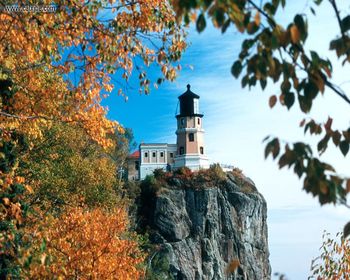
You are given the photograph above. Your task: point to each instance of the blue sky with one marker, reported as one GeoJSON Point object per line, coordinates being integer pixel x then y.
{"type": "Point", "coordinates": [236, 120]}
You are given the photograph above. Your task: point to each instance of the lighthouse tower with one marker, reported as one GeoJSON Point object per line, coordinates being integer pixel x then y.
{"type": "Point", "coordinates": [190, 133]}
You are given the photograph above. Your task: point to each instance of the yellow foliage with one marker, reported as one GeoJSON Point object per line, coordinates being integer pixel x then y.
{"type": "Point", "coordinates": [334, 261]}
{"type": "Point", "coordinates": [66, 164]}
{"type": "Point", "coordinates": [40, 53]}
{"type": "Point", "coordinates": [38, 49]}
{"type": "Point", "coordinates": [88, 245]}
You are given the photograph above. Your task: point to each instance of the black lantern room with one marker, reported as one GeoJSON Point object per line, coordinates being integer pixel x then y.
{"type": "Point", "coordinates": [189, 104]}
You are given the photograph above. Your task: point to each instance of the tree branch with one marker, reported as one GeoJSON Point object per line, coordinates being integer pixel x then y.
{"type": "Point", "coordinates": [334, 5]}
{"type": "Point", "coordinates": [24, 117]}
{"type": "Point", "coordinates": [330, 85]}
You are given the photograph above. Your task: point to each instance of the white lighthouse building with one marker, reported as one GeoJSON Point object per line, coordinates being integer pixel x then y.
{"type": "Point", "coordinates": [188, 151]}
{"type": "Point", "coordinates": [190, 133]}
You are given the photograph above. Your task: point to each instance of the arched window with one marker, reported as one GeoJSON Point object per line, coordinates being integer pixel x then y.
{"type": "Point", "coordinates": [191, 137]}
{"type": "Point", "coordinates": [182, 150]}
{"type": "Point", "coordinates": [201, 149]}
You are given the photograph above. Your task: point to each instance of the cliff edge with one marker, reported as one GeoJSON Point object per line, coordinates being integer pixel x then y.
{"type": "Point", "coordinates": [209, 225]}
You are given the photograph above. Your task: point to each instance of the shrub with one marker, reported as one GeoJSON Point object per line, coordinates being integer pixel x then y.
{"type": "Point", "coordinates": [215, 171]}
{"type": "Point", "coordinates": [243, 183]}
{"type": "Point", "coordinates": [159, 174]}
{"type": "Point", "coordinates": [183, 172]}
{"type": "Point", "coordinates": [132, 189]}
{"type": "Point", "coordinates": [158, 267]}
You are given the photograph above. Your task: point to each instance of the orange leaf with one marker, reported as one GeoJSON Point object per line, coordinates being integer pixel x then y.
{"type": "Point", "coordinates": [295, 34]}
{"type": "Point", "coordinates": [272, 101]}
{"type": "Point", "coordinates": [257, 19]}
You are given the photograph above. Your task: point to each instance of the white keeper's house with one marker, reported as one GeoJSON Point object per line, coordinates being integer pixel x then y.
{"type": "Point", "coordinates": [188, 151]}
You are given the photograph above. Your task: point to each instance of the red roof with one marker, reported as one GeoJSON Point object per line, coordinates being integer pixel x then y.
{"type": "Point", "coordinates": [135, 154]}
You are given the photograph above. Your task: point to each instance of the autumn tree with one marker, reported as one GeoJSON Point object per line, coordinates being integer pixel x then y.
{"type": "Point", "coordinates": [87, 245]}
{"type": "Point", "coordinates": [334, 261]}
{"type": "Point", "coordinates": [66, 167]}
{"type": "Point", "coordinates": [55, 67]}
{"type": "Point", "coordinates": [274, 52]}
{"type": "Point", "coordinates": [13, 208]}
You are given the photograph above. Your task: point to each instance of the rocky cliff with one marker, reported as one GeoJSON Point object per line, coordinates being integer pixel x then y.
{"type": "Point", "coordinates": [203, 227]}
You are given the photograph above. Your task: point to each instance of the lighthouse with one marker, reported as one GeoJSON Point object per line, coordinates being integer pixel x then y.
{"type": "Point", "coordinates": [191, 151]}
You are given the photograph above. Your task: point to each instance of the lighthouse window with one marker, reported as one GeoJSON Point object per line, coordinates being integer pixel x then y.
{"type": "Point", "coordinates": [196, 106]}
{"type": "Point", "coordinates": [191, 137]}
{"type": "Point", "coordinates": [201, 150]}
{"type": "Point", "coordinates": [199, 121]}
{"type": "Point", "coordinates": [182, 150]}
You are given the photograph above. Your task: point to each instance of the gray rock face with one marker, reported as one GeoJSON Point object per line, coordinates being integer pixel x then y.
{"type": "Point", "coordinates": [200, 231]}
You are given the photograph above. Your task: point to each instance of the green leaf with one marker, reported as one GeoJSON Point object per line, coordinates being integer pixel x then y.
{"type": "Point", "coordinates": [219, 17]}
{"type": "Point", "coordinates": [285, 86]}
{"type": "Point", "coordinates": [159, 81]}
{"type": "Point", "coordinates": [313, 11]}
{"type": "Point", "coordinates": [272, 147]}
{"type": "Point", "coordinates": [275, 3]}
{"type": "Point", "coordinates": [305, 103]}
{"type": "Point", "coordinates": [289, 99]}
{"type": "Point", "coordinates": [245, 81]}
{"type": "Point", "coordinates": [322, 145]}
{"type": "Point", "coordinates": [43, 245]}
{"type": "Point", "coordinates": [246, 18]}
{"type": "Point", "coordinates": [314, 57]}
{"type": "Point", "coordinates": [270, 9]}
{"type": "Point", "coordinates": [236, 68]}
{"type": "Point", "coordinates": [263, 83]}
{"type": "Point", "coordinates": [302, 27]}
{"type": "Point", "coordinates": [207, 3]}
{"type": "Point", "coordinates": [344, 147]}
{"type": "Point", "coordinates": [225, 25]}
{"type": "Point", "coordinates": [200, 24]}
{"type": "Point", "coordinates": [338, 46]}
{"type": "Point", "coordinates": [345, 24]}
{"type": "Point", "coordinates": [336, 137]}
{"type": "Point", "coordinates": [252, 81]}
{"type": "Point", "coordinates": [310, 91]}
{"type": "Point", "coordinates": [299, 168]}
{"type": "Point", "coordinates": [247, 44]}
{"type": "Point", "coordinates": [187, 19]}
